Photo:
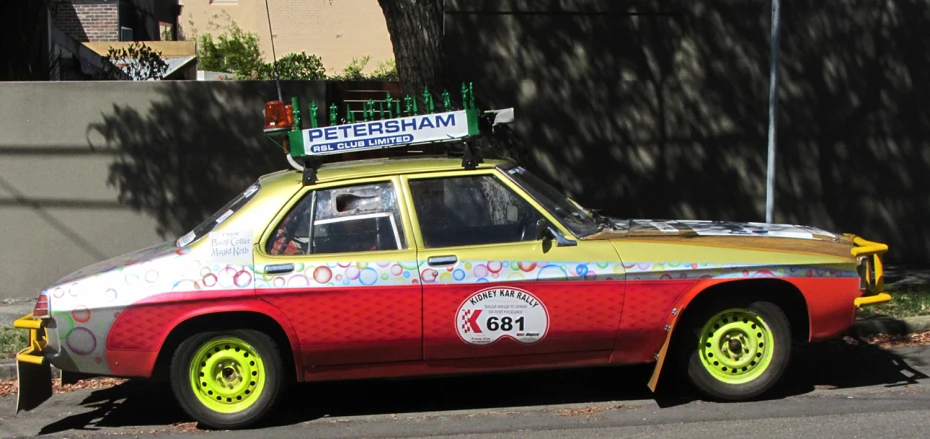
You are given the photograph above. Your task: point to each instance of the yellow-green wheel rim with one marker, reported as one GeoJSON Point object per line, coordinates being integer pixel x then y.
{"type": "Point", "coordinates": [736, 346]}
{"type": "Point", "coordinates": [227, 375]}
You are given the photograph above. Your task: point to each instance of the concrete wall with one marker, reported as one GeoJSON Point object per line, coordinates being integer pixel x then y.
{"type": "Point", "coordinates": [90, 170]}
{"type": "Point", "coordinates": [336, 31]}
{"type": "Point", "coordinates": [659, 108]}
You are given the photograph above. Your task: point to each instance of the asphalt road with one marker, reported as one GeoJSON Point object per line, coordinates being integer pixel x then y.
{"type": "Point", "coordinates": [832, 390]}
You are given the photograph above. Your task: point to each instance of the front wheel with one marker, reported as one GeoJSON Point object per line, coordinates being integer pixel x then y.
{"type": "Point", "coordinates": [739, 351]}
{"type": "Point", "coordinates": [227, 379]}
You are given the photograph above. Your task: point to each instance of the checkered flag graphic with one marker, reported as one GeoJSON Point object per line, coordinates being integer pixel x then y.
{"type": "Point", "coordinates": [465, 327]}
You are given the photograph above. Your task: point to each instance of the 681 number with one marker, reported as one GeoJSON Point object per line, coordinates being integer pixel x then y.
{"type": "Point", "coordinates": [504, 323]}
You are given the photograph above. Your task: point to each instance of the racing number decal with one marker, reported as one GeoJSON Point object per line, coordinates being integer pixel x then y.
{"type": "Point", "coordinates": [493, 313]}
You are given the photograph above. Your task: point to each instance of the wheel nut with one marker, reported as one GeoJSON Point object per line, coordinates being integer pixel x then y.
{"type": "Point", "coordinates": [734, 345]}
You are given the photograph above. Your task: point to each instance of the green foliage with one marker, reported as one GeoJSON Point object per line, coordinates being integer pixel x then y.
{"type": "Point", "coordinates": [12, 340]}
{"type": "Point", "coordinates": [386, 71]}
{"type": "Point", "coordinates": [298, 66]}
{"type": "Point", "coordinates": [234, 51]}
{"type": "Point", "coordinates": [139, 61]}
{"type": "Point", "coordinates": [353, 71]}
{"type": "Point", "coordinates": [237, 51]}
{"type": "Point", "coordinates": [906, 301]}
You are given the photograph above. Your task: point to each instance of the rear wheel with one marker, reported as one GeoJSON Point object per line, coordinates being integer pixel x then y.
{"type": "Point", "coordinates": [737, 351]}
{"type": "Point", "coordinates": [227, 379]}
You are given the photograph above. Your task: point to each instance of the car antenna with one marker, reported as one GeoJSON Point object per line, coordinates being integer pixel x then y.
{"type": "Point", "coordinates": [274, 56]}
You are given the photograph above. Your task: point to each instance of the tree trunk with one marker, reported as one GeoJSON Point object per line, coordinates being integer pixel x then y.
{"type": "Point", "coordinates": [416, 33]}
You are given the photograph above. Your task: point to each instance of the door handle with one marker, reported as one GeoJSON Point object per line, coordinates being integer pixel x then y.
{"type": "Point", "coordinates": [279, 268]}
{"type": "Point", "coordinates": [442, 260]}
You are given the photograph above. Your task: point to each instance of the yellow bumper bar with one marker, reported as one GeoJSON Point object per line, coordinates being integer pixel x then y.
{"type": "Point", "coordinates": [37, 339]}
{"type": "Point", "coordinates": [870, 253]}
{"type": "Point", "coordinates": [872, 300]}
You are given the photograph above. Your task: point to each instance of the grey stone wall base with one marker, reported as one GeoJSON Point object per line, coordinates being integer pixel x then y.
{"type": "Point", "coordinates": [891, 326]}
{"type": "Point", "coordinates": [8, 370]}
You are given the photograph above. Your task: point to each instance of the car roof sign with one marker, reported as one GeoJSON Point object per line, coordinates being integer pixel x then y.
{"type": "Point", "coordinates": [386, 127]}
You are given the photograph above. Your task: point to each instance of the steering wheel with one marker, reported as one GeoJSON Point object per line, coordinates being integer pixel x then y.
{"type": "Point", "coordinates": [527, 223]}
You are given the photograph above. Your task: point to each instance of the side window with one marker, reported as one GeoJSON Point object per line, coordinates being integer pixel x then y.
{"type": "Point", "coordinates": [471, 210]}
{"type": "Point", "coordinates": [340, 220]}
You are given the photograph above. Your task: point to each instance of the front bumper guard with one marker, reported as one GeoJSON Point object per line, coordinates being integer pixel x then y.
{"type": "Point", "coordinates": [33, 371]}
{"type": "Point", "coordinates": [871, 271]}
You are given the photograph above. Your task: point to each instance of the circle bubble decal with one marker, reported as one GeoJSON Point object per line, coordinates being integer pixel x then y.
{"type": "Point", "coordinates": [429, 275]}
{"type": "Point", "coordinates": [352, 272]}
{"type": "Point", "coordinates": [298, 281]}
{"type": "Point", "coordinates": [581, 269]}
{"type": "Point", "coordinates": [495, 266]}
{"type": "Point", "coordinates": [480, 270]}
{"type": "Point", "coordinates": [322, 274]}
{"type": "Point", "coordinates": [552, 272]}
{"type": "Point", "coordinates": [397, 270]}
{"type": "Point", "coordinates": [151, 276]}
{"type": "Point", "coordinates": [81, 314]}
{"type": "Point", "coordinates": [368, 276]}
{"type": "Point", "coordinates": [81, 341]}
{"type": "Point", "coordinates": [243, 278]}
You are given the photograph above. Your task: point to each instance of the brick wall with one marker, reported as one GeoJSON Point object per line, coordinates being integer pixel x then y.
{"type": "Point", "coordinates": [335, 30]}
{"type": "Point", "coordinates": [88, 20]}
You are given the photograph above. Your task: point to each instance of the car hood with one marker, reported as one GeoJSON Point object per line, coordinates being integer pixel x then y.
{"type": "Point", "coordinates": [117, 281]}
{"type": "Point", "coordinates": [778, 237]}
{"type": "Point", "coordinates": [119, 262]}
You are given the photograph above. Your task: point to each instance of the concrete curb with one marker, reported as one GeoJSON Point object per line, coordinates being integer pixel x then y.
{"type": "Point", "coordinates": [8, 370]}
{"type": "Point", "coordinates": [891, 326]}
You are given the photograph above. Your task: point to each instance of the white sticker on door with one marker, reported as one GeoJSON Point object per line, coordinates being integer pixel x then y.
{"type": "Point", "coordinates": [494, 313]}
{"type": "Point", "coordinates": [232, 247]}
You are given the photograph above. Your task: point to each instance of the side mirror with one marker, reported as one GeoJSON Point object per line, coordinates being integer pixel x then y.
{"type": "Point", "coordinates": [542, 229]}
{"type": "Point", "coordinates": [545, 231]}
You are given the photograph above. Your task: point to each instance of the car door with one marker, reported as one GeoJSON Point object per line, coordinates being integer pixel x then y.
{"type": "Point", "coordinates": [491, 288]}
{"type": "Point", "coordinates": [338, 264]}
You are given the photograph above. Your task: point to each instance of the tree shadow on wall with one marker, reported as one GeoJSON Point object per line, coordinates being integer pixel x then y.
{"type": "Point", "coordinates": [197, 146]}
{"type": "Point", "coordinates": [651, 108]}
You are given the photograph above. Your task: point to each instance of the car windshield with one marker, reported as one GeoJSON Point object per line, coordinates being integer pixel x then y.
{"type": "Point", "coordinates": [221, 215]}
{"type": "Point", "coordinates": [580, 221]}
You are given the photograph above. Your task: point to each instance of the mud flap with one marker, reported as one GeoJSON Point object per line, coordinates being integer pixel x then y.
{"type": "Point", "coordinates": [34, 384]}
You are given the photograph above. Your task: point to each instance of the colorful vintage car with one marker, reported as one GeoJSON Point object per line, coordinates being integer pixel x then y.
{"type": "Point", "coordinates": [417, 266]}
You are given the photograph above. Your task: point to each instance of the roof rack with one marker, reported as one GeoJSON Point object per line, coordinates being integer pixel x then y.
{"type": "Point", "coordinates": [386, 127]}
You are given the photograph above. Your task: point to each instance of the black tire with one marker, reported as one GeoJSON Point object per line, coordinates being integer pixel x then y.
{"type": "Point", "coordinates": [271, 393]}
{"type": "Point", "coordinates": [706, 382]}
